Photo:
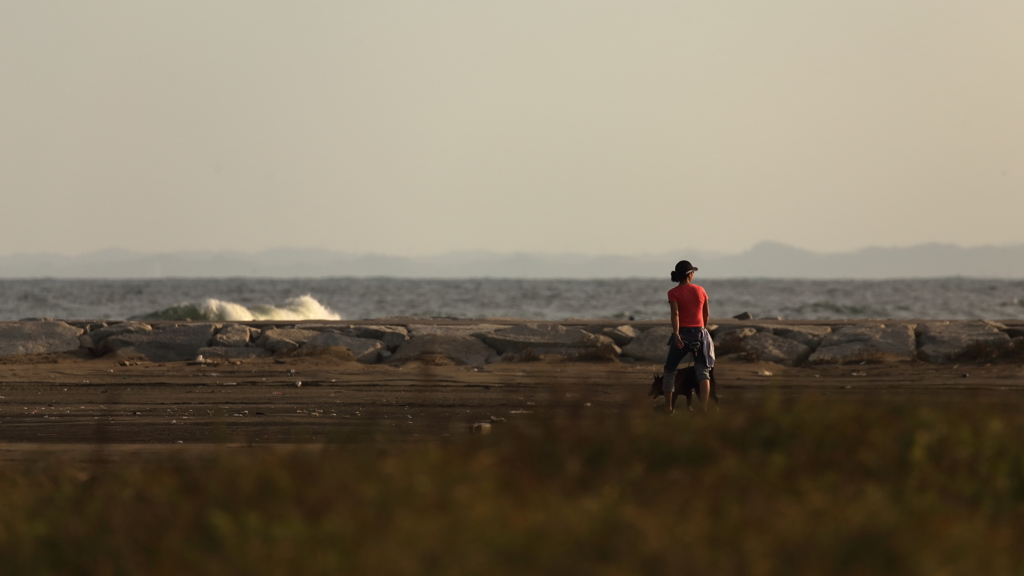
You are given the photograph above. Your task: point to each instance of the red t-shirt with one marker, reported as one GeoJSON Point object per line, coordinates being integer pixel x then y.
{"type": "Point", "coordinates": [690, 298]}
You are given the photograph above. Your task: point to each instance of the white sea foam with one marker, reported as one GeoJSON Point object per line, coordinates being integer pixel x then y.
{"type": "Point", "coordinates": [299, 308]}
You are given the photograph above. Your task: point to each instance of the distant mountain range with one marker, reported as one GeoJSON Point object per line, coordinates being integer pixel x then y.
{"type": "Point", "coordinates": [765, 260]}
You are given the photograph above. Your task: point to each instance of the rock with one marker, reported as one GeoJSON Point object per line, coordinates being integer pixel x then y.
{"type": "Point", "coordinates": [464, 350]}
{"type": "Point", "coordinates": [620, 335]}
{"type": "Point", "coordinates": [470, 330]}
{"type": "Point", "coordinates": [719, 331]}
{"type": "Point", "coordinates": [730, 340]}
{"type": "Point", "coordinates": [480, 428]}
{"type": "Point", "coordinates": [234, 353]}
{"type": "Point", "coordinates": [364, 350]}
{"type": "Point", "coordinates": [771, 348]}
{"type": "Point", "coordinates": [544, 339]}
{"type": "Point", "coordinates": [282, 339]}
{"type": "Point", "coordinates": [165, 344]}
{"type": "Point", "coordinates": [810, 336]}
{"type": "Point", "coordinates": [650, 346]}
{"type": "Point", "coordinates": [38, 338]}
{"type": "Point", "coordinates": [391, 336]}
{"type": "Point", "coordinates": [605, 352]}
{"type": "Point", "coordinates": [232, 336]}
{"type": "Point", "coordinates": [1016, 348]}
{"type": "Point", "coordinates": [949, 341]}
{"type": "Point", "coordinates": [744, 316]}
{"type": "Point", "coordinates": [131, 327]}
{"type": "Point", "coordinates": [874, 343]}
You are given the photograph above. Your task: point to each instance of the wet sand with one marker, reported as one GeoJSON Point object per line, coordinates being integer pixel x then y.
{"type": "Point", "coordinates": [69, 404]}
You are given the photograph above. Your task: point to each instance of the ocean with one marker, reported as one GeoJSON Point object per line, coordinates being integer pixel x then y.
{"type": "Point", "coordinates": [621, 299]}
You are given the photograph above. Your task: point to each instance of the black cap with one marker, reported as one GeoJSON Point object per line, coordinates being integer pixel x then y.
{"type": "Point", "coordinates": [682, 269]}
{"type": "Point", "coordinates": [684, 266]}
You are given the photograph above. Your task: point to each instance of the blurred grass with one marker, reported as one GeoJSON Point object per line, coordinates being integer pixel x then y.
{"type": "Point", "coordinates": [787, 487]}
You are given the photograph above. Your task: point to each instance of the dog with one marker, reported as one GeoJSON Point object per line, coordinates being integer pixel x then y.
{"type": "Point", "coordinates": [686, 384]}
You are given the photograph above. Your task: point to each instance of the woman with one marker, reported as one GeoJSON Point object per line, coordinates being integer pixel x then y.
{"type": "Point", "coordinates": [689, 313]}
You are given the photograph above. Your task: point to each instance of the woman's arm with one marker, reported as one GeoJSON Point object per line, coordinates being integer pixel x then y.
{"type": "Point", "coordinates": [707, 314]}
{"type": "Point", "coordinates": [674, 306]}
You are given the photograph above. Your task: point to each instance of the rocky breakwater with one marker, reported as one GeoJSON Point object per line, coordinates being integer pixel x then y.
{"type": "Point", "coordinates": [791, 344]}
{"type": "Point", "coordinates": [399, 341]}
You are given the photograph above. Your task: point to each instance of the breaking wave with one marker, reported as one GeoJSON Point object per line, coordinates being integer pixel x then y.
{"type": "Point", "coordinates": [299, 308]}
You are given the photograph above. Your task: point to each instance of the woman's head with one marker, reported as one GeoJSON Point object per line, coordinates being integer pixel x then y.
{"type": "Point", "coordinates": [683, 269]}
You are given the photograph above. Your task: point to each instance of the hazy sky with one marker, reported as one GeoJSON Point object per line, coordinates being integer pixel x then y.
{"type": "Point", "coordinates": [412, 127]}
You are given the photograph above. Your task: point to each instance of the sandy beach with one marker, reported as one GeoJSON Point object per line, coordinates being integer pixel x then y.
{"type": "Point", "coordinates": [65, 402]}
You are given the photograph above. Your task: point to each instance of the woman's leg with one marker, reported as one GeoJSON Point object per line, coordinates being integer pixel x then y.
{"type": "Point", "coordinates": [704, 388]}
{"type": "Point", "coordinates": [703, 385]}
{"type": "Point", "coordinates": [668, 384]}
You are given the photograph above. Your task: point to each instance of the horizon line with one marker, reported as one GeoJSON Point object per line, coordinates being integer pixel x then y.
{"type": "Point", "coordinates": [704, 252]}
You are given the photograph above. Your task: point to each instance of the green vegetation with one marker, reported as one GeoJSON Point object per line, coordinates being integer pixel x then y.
{"type": "Point", "coordinates": [787, 487]}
